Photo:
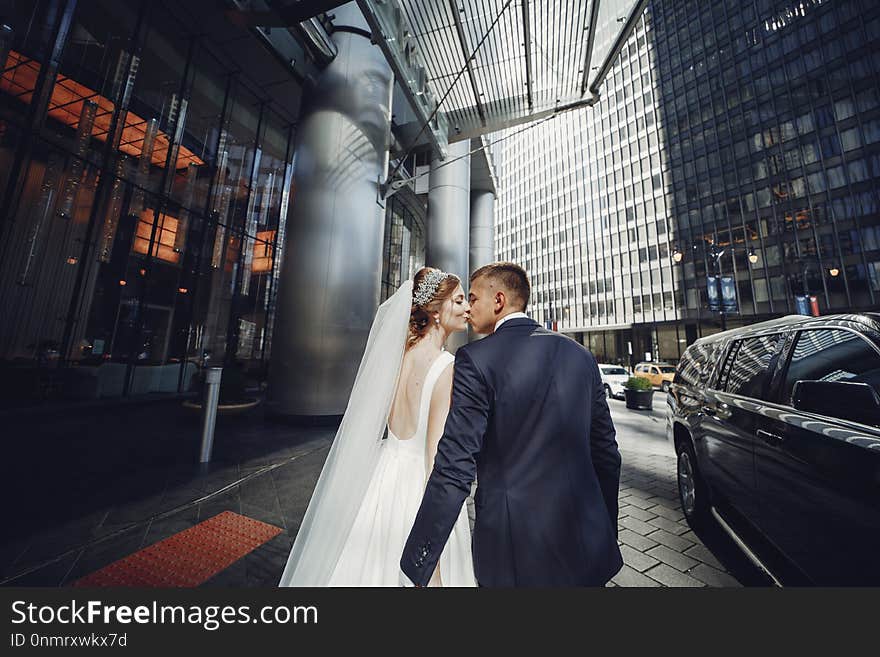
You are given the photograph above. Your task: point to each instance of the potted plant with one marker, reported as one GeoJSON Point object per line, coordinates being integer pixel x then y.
{"type": "Point", "coordinates": [639, 393]}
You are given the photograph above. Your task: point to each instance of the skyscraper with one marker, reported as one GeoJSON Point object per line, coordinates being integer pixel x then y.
{"type": "Point", "coordinates": [736, 139]}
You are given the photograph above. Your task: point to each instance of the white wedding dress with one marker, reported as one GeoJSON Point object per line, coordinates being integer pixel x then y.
{"type": "Point", "coordinates": [370, 489]}
{"type": "Point", "coordinates": [371, 553]}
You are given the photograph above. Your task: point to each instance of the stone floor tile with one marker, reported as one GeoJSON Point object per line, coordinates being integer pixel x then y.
{"type": "Point", "coordinates": [638, 526]}
{"type": "Point", "coordinates": [672, 557]}
{"type": "Point", "coordinates": [637, 560]}
{"type": "Point", "coordinates": [669, 576]}
{"type": "Point", "coordinates": [677, 528]}
{"type": "Point", "coordinates": [637, 513]}
{"type": "Point", "coordinates": [632, 578]}
{"type": "Point", "coordinates": [712, 576]}
{"type": "Point", "coordinates": [703, 553]}
{"type": "Point", "coordinates": [635, 540]}
{"type": "Point", "coordinates": [669, 540]}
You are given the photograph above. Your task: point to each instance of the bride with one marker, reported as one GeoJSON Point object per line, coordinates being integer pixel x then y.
{"type": "Point", "coordinates": [370, 489]}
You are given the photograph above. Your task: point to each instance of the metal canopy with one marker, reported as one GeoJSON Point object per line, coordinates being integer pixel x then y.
{"type": "Point", "coordinates": [493, 64]}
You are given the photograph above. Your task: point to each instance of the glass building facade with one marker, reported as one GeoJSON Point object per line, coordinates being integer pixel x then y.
{"type": "Point", "coordinates": [726, 133]}
{"type": "Point", "coordinates": [404, 243]}
{"type": "Point", "coordinates": [771, 121]}
{"type": "Point", "coordinates": [143, 184]}
{"type": "Point", "coordinates": [146, 168]}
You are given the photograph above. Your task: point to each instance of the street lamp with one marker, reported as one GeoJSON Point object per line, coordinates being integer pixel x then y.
{"type": "Point", "coordinates": [806, 264]}
{"type": "Point", "coordinates": [715, 253]}
{"type": "Point", "coordinates": [677, 255]}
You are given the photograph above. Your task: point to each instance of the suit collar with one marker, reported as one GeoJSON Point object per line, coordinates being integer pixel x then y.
{"type": "Point", "coordinates": [508, 317]}
{"type": "Point", "coordinates": [517, 321]}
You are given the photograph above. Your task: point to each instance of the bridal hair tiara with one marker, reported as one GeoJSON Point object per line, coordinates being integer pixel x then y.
{"type": "Point", "coordinates": [428, 287]}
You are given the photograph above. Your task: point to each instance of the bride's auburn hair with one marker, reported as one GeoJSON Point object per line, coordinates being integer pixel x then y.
{"type": "Point", "coordinates": [420, 315]}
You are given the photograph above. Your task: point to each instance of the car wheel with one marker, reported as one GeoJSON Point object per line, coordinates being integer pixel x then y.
{"type": "Point", "coordinates": [665, 386]}
{"type": "Point", "coordinates": [608, 394]}
{"type": "Point", "coordinates": [692, 489]}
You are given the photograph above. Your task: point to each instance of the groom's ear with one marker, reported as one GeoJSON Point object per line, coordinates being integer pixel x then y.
{"type": "Point", "coordinates": [500, 299]}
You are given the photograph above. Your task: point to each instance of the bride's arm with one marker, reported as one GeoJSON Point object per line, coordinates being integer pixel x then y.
{"type": "Point", "coordinates": [441, 398]}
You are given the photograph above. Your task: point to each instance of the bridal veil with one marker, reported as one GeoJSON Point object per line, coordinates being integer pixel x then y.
{"type": "Point", "coordinates": [354, 455]}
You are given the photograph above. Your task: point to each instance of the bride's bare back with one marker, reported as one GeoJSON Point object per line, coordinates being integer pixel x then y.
{"type": "Point", "coordinates": [404, 417]}
{"type": "Point", "coordinates": [403, 420]}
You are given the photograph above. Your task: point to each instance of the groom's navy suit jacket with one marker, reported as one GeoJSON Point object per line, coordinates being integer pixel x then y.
{"type": "Point", "coordinates": [530, 421]}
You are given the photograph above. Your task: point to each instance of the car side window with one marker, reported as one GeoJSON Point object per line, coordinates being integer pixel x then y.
{"type": "Point", "coordinates": [747, 371]}
{"type": "Point", "coordinates": [696, 364]}
{"type": "Point", "coordinates": [654, 370]}
{"type": "Point", "coordinates": [831, 355]}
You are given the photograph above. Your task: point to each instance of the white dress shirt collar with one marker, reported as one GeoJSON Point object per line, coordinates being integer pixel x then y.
{"type": "Point", "coordinates": [510, 316]}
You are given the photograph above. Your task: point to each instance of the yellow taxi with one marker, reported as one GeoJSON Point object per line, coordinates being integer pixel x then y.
{"type": "Point", "coordinates": [659, 374]}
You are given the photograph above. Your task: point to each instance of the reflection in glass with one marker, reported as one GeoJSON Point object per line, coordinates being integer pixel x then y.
{"type": "Point", "coordinates": [40, 217]}
{"type": "Point", "coordinates": [250, 228]}
{"type": "Point", "coordinates": [222, 192]}
{"type": "Point", "coordinates": [111, 218]}
{"type": "Point", "coordinates": [165, 236]}
{"type": "Point", "coordinates": [74, 175]}
{"type": "Point", "coordinates": [177, 118]}
{"type": "Point", "coordinates": [123, 83]}
{"type": "Point", "coordinates": [251, 247]}
{"type": "Point", "coordinates": [6, 35]}
{"type": "Point", "coordinates": [832, 355]}
{"type": "Point", "coordinates": [143, 173]}
{"type": "Point", "coordinates": [749, 372]}
{"type": "Point", "coordinates": [132, 121]}
{"type": "Point", "coordinates": [188, 194]}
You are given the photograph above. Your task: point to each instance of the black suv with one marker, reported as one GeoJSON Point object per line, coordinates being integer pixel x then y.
{"type": "Point", "coordinates": [777, 427]}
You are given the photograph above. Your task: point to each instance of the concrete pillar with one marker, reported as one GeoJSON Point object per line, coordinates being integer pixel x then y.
{"type": "Point", "coordinates": [482, 247]}
{"type": "Point", "coordinates": [329, 284]}
{"type": "Point", "coordinates": [449, 206]}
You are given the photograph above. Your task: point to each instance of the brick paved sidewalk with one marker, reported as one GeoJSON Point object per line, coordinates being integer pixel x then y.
{"type": "Point", "coordinates": [658, 547]}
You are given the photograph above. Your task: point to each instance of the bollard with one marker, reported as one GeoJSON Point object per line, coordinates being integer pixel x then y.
{"type": "Point", "coordinates": [209, 417]}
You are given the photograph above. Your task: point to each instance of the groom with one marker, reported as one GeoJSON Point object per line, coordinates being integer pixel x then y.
{"type": "Point", "coordinates": [530, 422]}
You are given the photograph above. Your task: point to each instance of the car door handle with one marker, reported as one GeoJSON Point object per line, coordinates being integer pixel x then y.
{"type": "Point", "coordinates": [770, 438]}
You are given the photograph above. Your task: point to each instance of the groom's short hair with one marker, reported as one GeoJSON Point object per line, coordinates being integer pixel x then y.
{"type": "Point", "coordinates": [511, 277]}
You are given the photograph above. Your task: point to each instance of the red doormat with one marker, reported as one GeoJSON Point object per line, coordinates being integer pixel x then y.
{"type": "Point", "coordinates": [189, 558]}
